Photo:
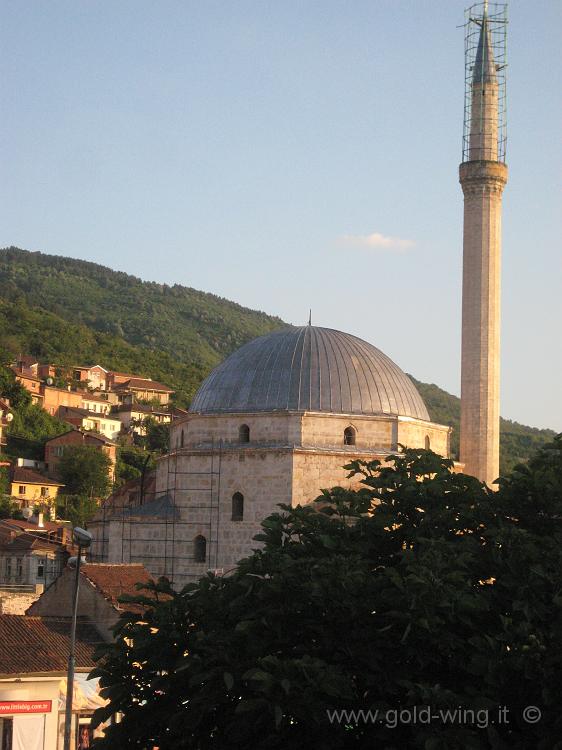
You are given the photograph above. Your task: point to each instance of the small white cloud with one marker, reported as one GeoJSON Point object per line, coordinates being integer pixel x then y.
{"type": "Point", "coordinates": [376, 240]}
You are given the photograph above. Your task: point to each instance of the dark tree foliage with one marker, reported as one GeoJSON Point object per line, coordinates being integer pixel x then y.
{"type": "Point", "coordinates": [84, 470]}
{"type": "Point", "coordinates": [131, 462]}
{"type": "Point", "coordinates": [78, 509]}
{"type": "Point", "coordinates": [8, 508]}
{"type": "Point", "coordinates": [157, 436]}
{"type": "Point", "coordinates": [423, 588]}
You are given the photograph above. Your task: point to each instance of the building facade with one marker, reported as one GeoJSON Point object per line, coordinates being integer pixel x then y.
{"type": "Point", "coordinates": [483, 176]}
{"type": "Point", "coordinates": [275, 423]}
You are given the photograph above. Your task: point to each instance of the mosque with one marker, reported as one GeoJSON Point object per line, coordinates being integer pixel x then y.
{"type": "Point", "coordinates": [277, 421]}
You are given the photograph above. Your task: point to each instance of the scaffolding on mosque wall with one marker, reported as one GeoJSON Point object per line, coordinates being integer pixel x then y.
{"type": "Point", "coordinates": [168, 510]}
{"type": "Point", "coordinates": [496, 15]}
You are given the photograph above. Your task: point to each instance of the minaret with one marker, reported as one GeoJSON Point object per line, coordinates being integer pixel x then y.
{"type": "Point", "coordinates": [483, 175]}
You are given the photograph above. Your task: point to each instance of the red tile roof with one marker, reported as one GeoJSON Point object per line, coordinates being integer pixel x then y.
{"type": "Point", "coordinates": [25, 542]}
{"type": "Point", "coordinates": [24, 372]}
{"type": "Point", "coordinates": [32, 526]}
{"type": "Point", "coordinates": [27, 360]}
{"type": "Point", "coordinates": [40, 645]}
{"type": "Point", "coordinates": [28, 476]}
{"type": "Point", "coordinates": [86, 433]}
{"type": "Point", "coordinates": [145, 384]}
{"type": "Point", "coordinates": [113, 580]}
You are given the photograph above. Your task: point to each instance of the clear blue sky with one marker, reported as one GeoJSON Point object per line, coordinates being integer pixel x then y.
{"type": "Point", "coordinates": [240, 147]}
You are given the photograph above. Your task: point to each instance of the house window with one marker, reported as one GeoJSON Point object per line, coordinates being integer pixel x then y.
{"type": "Point", "coordinates": [19, 567]}
{"type": "Point", "coordinates": [40, 569]}
{"type": "Point", "coordinates": [22, 489]}
{"type": "Point", "coordinates": [44, 492]}
{"type": "Point", "coordinates": [8, 567]}
{"type": "Point", "coordinates": [349, 436]}
{"type": "Point", "coordinates": [200, 549]}
{"type": "Point", "coordinates": [427, 443]}
{"type": "Point", "coordinates": [244, 433]}
{"type": "Point", "coordinates": [238, 506]}
{"type": "Point", "coordinates": [182, 439]}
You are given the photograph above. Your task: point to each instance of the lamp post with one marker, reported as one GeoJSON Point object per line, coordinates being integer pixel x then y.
{"type": "Point", "coordinates": [83, 540]}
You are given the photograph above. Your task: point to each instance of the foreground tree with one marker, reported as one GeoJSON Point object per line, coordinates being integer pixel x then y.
{"type": "Point", "coordinates": [422, 589]}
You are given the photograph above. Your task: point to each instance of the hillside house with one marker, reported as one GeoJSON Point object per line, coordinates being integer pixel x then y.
{"type": "Point", "coordinates": [95, 404]}
{"type": "Point", "coordinates": [29, 487]}
{"type": "Point", "coordinates": [29, 363]}
{"type": "Point", "coordinates": [55, 398]}
{"type": "Point", "coordinates": [5, 417]}
{"type": "Point", "coordinates": [54, 448]}
{"type": "Point", "coordinates": [115, 378]}
{"type": "Point", "coordinates": [132, 417]}
{"type": "Point", "coordinates": [29, 380]}
{"type": "Point", "coordinates": [107, 425]}
{"type": "Point", "coordinates": [92, 377]}
{"type": "Point", "coordinates": [142, 389]}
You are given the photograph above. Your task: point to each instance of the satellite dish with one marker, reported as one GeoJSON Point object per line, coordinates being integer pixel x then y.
{"type": "Point", "coordinates": [9, 417]}
{"type": "Point", "coordinates": [49, 381]}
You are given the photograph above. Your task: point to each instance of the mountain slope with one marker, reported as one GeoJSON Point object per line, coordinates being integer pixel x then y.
{"type": "Point", "coordinates": [517, 441]}
{"type": "Point", "coordinates": [189, 325]}
{"type": "Point", "coordinates": [75, 312]}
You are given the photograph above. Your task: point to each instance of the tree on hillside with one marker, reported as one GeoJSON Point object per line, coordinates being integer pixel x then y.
{"type": "Point", "coordinates": [31, 424]}
{"type": "Point", "coordinates": [78, 509]}
{"type": "Point", "coordinates": [421, 589]}
{"type": "Point", "coordinates": [131, 462]}
{"type": "Point", "coordinates": [157, 436]}
{"type": "Point", "coordinates": [84, 470]}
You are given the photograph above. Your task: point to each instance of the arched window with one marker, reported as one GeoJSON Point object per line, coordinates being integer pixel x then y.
{"type": "Point", "coordinates": [200, 549]}
{"type": "Point", "coordinates": [349, 436]}
{"type": "Point", "coordinates": [238, 506]}
{"type": "Point", "coordinates": [427, 443]}
{"type": "Point", "coordinates": [244, 433]}
{"type": "Point", "coordinates": [181, 439]}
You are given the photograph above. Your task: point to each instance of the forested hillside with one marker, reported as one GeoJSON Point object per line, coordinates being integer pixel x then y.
{"type": "Point", "coordinates": [73, 312]}
{"type": "Point", "coordinates": [517, 441]}
{"type": "Point", "coordinates": [194, 327]}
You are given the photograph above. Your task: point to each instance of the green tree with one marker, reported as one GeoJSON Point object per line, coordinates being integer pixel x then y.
{"type": "Point", "coordinates": [422, 588]}
{"type": "Point", "coordinates": [131, 462]}
{"type": "Point", "coordinates": [8, 508]}
{"type": "Point", "coordinates": [157, 435]}
{"type": "Point", "coordinates": [84, 470]}
{"type": "Point", "coordinates": [78, 509]}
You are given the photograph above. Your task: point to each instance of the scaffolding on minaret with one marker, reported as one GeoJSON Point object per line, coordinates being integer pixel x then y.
{"type": "Point", "coordinates": [485, 46]}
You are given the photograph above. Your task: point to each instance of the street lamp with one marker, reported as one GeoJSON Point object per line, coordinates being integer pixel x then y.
{"type": "Point", "coordinates": [83, 540]}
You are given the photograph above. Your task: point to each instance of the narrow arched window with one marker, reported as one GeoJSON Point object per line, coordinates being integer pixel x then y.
{"type": "Point", "coordinates": [349, 436]}
{"type": "Point", "coordinates": [244, 433]}
{"type": "Point", "coordinates": [427, 443]}
{"type": "Point", "coordinates": [238, 506]}
{"type": "Point", "coordinates": [200, 549]}
{"type": "Point", "coordinates": [181, 439]}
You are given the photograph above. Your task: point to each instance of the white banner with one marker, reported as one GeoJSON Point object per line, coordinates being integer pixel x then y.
{"type": "Point", "coordinates": [29, 733]}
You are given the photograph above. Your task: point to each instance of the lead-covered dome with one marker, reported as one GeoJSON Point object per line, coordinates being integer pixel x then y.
{"type": "Point", "coordinates": [309, 369]}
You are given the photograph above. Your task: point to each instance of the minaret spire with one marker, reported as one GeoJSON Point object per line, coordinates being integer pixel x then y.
{"type": "Point", "coordinates": [483, 175]}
